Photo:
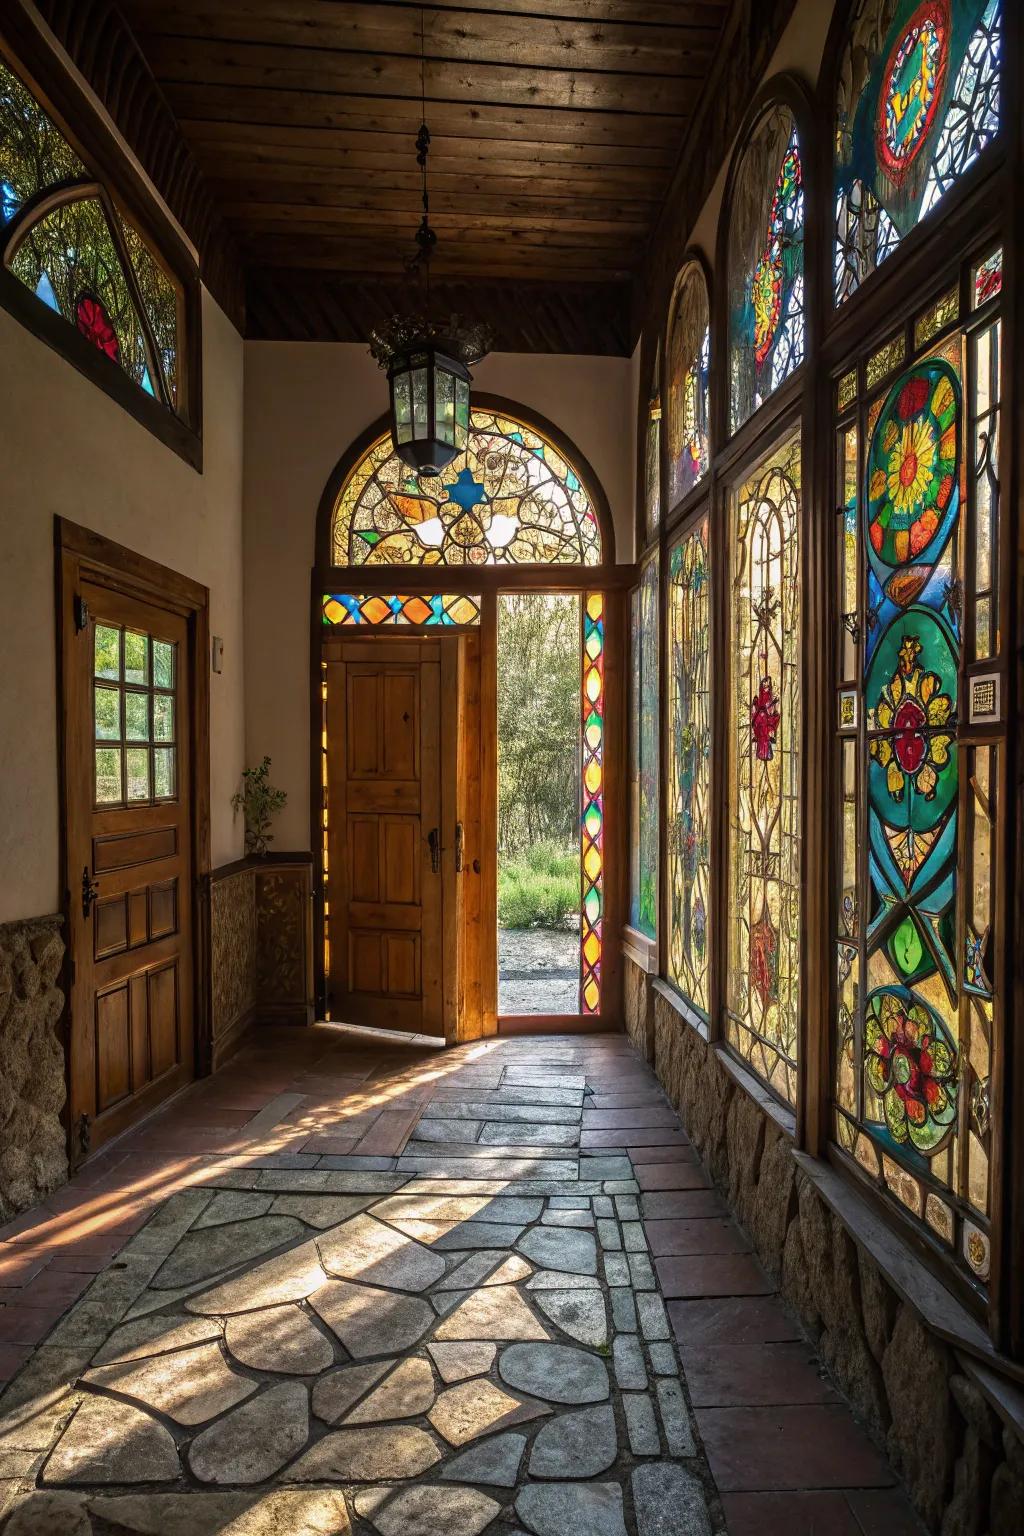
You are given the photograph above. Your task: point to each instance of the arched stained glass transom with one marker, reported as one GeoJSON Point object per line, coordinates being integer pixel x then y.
{"type": "Point", "coordinates": [689, 369]}
{"type": "Point", "coordinates": [917, 102]}
{"type": "Point", "coordinates": [512, 498]}
{"type": "Point", "coordinates": [766, 265]}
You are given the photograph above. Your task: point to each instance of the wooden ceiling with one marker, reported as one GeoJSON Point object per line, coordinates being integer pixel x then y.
{"type": "Point", "coordinates": [556, 126]}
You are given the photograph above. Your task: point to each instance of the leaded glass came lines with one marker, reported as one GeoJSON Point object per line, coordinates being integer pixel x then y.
{"type": "Point", "coordinates": [689, 787]}
{"type": "Point", "coordinates": [689, 367]}
{"type": "Point", "coordinates": [592, 839]}
{"type": "Point", "coordinates": [918, 101]}
{"type": "Point", "coordinates": [445, 608]}
{"type": "Point", "coordinates": [643, 904]}
{"type": "Point", "coordinates": [509, 499]}
{"type": "Point", "coordinates": [762, 986]}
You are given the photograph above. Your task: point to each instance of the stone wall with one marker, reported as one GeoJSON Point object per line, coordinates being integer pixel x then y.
{"type": "Point", "coordinates": [33, 1147]}
{"type": "Point", "coordinates": [232, 961]}
{"type": "Point", "coordinates": [963, 1466]}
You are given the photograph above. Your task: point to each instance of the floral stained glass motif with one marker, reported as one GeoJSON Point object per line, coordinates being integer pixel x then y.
{"type": "Point", "coordinates": [918, 102]}
{"type": "Point", "coordinates": [592, 840]}
{"type": "Point", "coordinates": [914, 1038]}
{"type": "Point", "coordinates": [446, 608]}
{"type": "Point", "coordinates": [689, 367]}
{"type": "Point", "coordinates": [510, 499]}
{"type": "Point", "coordinates": [77, 253]}
{"type": "Point", "coordinates": [689, 785]}
{"type": "Point", "coordinates": [764, 779]}
{"type": "Point", "coordinates": [643, 903]}
{"type": "Point", "coordinates": [766, 266]}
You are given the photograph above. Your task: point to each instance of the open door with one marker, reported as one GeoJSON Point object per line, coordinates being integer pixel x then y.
{"type": "Point", "coordinates": [401, 890]}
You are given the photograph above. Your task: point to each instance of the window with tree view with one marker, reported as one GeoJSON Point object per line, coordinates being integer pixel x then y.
{"type": "Point", "coordinates": [67, 240]}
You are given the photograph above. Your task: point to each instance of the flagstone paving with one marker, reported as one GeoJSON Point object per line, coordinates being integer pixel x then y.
{"type": "Point", "coordinates": [457, 1325]}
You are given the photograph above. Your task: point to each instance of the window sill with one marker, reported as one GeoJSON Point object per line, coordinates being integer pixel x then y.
{"type": "Point", "coordinates": [999, 1378]}
{"type": "Point", "coordinates": [665, 990]}
{"type": "Point", "coordinates": [641, 950]}
{"type": "Point", "coordinates": [753, 1087]}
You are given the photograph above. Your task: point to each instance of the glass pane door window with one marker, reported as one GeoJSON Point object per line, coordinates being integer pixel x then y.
{"type": "Point", "coordinates": [134, 717]}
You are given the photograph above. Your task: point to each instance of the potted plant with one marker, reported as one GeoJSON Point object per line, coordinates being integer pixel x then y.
{"type": "Point", "coordinates": [259, 803]}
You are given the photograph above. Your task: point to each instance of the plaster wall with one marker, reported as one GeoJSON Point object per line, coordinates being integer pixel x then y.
{"type": "Point", "coordinates": [305, 403]}
{"type": "Point", "coordinates": [67, 449]}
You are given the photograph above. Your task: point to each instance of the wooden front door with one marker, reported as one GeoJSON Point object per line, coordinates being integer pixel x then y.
{"type": "Point", "coordinates": [394, 844]}
{"type": "Point", "coordinates": [129, 847]}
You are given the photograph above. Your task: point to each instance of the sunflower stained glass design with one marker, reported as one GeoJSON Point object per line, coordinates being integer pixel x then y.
{"type": "Point", "coordinates": [918, 101]}
{"type": "Point", "coordinates": [913, 1031]}
{"type": "Point", "coordinates": [766, 266]}
{"type": "Point", "coordinates": [510, 499]}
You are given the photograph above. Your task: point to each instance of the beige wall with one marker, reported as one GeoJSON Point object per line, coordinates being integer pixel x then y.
{"type": "Point", "coordinates": [66, 448]}
{"type": "Point", "coordinates": [304, 405]}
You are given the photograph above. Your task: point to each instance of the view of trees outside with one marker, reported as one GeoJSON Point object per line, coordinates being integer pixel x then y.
{"type": "Point", "coordinates": [539, 760]}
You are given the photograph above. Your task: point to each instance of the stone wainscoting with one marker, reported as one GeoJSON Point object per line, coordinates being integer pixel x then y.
{"type": "Point", "coordinates": [948, 1421]}
{"type": "Point", "coordinates": [33, 1143]}
{"type": "Point", "coordinates": [260, 947]}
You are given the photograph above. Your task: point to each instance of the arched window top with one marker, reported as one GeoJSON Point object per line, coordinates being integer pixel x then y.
{"type": "Point", "coordinates": [689, 366]}
{"type": "Point", "coordinates": [66, 239]}
{"type": "Point", "coordinates": [917, 101]}
{"type": "Point", "coordinates": [512, 498]}
{"type": "Point", "coordinates": [765, 264]}
{"type": "Point", "coordinates": [652, 452]}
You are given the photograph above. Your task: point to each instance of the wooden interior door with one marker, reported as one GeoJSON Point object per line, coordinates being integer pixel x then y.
{"type": "Point", "coordinates": [129, 845]}
{"type": "Point", "coordinates": [397, 839]}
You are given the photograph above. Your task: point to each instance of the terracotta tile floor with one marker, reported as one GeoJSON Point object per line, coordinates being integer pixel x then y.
{"type": "Point", "coordinates": [500, 1269]}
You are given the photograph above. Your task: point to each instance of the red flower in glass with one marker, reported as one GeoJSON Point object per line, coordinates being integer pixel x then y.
{"type": "Point", "coordinates": [764, 720]}
{"type": "Point", "coordinates": [96, 325]}
{"type": "Point", "coordinates": [913, 397]}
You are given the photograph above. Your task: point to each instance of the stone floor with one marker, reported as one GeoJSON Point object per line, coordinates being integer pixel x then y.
{"type": "Point", "coordinates": [360, 1285]}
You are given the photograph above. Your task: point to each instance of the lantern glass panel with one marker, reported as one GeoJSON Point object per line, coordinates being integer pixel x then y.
{"type": "Point", "coordinates": [403, 408]}
{"type": "Point", "coordinates": [444, 405]}
{"type": "Point", "coordinates": [420, 425]}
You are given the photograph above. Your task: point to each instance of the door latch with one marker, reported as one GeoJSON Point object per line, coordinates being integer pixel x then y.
{"type": "Point", "coordinates": [90, 891]}
{"type": "Point", "coordinates": [460, 846]}
{"type": "Point", "coordinates": [434, 843]}
{"type": "Point", "coordinates": [84, 1134]}
{"type": "Point", "coordinates": [82, 614]}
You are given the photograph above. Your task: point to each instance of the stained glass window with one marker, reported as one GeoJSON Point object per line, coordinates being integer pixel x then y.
{"type": "Point", "coordinates": [643, 902]}
{"type": "Point", "coordinates": [689, 368]}
{"type": "Point", "coordinates": [446, 608]}
{"type": "Point", "coordinates": [77, 253]}
{"type": "Point", "coordinates": [689, 783]}
{"type": "Point", "coordinates": [592, 841]}
{"type": "Point", "coordinates": [762, 987]}
{"type": "Point", "coordinates": [766, 265]}
{"type": "Point", "coordinates": [652, 453]}
{"type": "Point", "coordinates": [918, 101]}
{"type": "Point", "coordinates": [510, 499]}
{"type": "Point", "coordinates": [914, 1028]}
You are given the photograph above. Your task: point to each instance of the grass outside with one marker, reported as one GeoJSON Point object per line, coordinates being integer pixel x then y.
{"type": "Point", "coordinates": [539, 888]}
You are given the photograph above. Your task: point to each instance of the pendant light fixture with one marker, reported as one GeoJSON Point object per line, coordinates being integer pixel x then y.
{"type": "Point", "coordinates": [427, 359]}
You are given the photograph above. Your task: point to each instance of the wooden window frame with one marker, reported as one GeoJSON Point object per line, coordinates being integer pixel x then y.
{"type": "Point", "coordinates": [119, 184]}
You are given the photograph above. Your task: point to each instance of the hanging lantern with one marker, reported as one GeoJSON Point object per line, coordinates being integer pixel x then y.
{"type": "Point", "coordinates": [428, 362]}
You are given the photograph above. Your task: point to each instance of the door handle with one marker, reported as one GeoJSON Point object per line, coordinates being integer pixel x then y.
{"type": "Point", "coordinates": [90, 891]}
{"type": "Point", "coordinates": [434, 842]}
{"type": "Point", "coordinates": [460, 846]}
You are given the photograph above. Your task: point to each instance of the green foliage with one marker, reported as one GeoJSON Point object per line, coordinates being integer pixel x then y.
{"type": "Point", "coordinates": [540, 888]}
{"type": "Point", "coordinates": [538, 722]}
{"type": "Point", "coordinates": [259, 803]}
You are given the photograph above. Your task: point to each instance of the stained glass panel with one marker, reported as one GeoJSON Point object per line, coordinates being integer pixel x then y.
{"type": "Point", "coordinates": [987, 278]}
{"type": "Point", "coordinates": [510, 499]}
{"type": "Point", "coordinates": [918, 100]}
{"type": "Point", "coordinates": [689, 788]}
{"type": "Point", "coordinates": [447, 608]}
{"type": "Point", "coordinates": [766, 266]}
{"type": "Point", "coordinates": [762, 987]}
{"type": "Point", "coordinates": [914, 1038]}
{"type": "Point", "coordinates": [33, 153]}
{"type": "Point", "coordinates": [592, 840]}
{"type": "Point", "coordinates": [652, 454]}
{"type": "Point", "coordinates": [689, 367]}
{"type": "Point", "coordinates": [643, 904]}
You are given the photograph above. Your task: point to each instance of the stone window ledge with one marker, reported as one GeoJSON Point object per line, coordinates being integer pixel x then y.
{"type": "Point", "coordinates": [665, 990]}
{"type": "Point", "coordinates": [641, 950]}
{"type": "Point", "coordinates": [1001, 1381]}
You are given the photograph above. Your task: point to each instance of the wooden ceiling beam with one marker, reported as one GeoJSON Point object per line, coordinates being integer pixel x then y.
{"type": "Point", "coordinates": [363, 204]}
{"type": "Point", "coordinates": [388, 174]}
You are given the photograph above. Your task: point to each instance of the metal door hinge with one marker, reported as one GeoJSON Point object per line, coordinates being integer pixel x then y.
{"type": "Point", "coordinates": [460, 846]}
{"type": "Point", "coordinates": [82, 614]}
{"type": "Point", "coordinates": [84, 1134]}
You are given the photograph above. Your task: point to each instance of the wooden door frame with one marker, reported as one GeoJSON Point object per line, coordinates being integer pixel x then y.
{"type": "Point", "coordinates": [82, 555]}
